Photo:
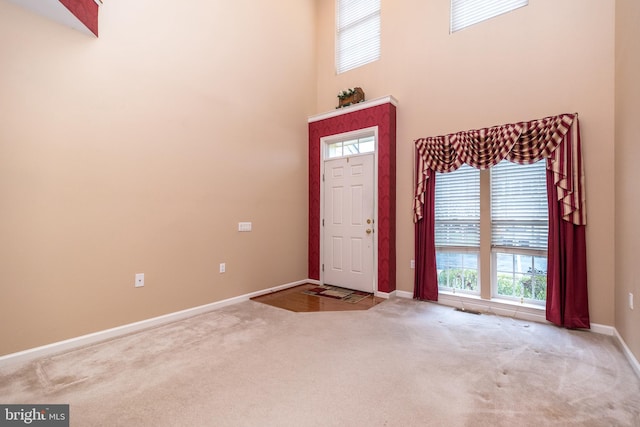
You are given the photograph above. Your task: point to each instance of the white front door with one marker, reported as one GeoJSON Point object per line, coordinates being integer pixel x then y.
{"type": "Point", "coordinates": [348, 232]}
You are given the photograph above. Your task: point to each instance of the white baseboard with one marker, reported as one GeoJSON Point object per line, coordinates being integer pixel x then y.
{"type": "Point", "coordinates": [403, 294]}
{"type": "Point", "coordinates": [60, 346]}
{"type": "Point", "coordinates": [529, 313]}
{"type": "Point", "coordinates": [519, 311]}
{"type": "Point", "coordinates": [484, 306]}
{"type": "Point", "coordinates": [627, 352]}
{"type": "Point", "coordinates": [603, 329]}
{"type": "Point", "coordinates": [385, 295]}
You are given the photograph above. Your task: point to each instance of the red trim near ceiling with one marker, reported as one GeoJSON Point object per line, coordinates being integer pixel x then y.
{"type": "Point", "coordinates": [86, 11]}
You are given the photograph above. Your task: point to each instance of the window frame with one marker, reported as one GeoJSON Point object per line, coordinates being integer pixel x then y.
{"type": "Point", "coordinates": [467, 245]}
{"type": "Point", "coordinates": [366, 139]}
{"type": "Point", "coordinates": [487, 253]}
{"type": "Point", "coordinates": [539, 171]}
{"type": "Point", "coordinates": [494, 273]}
{"type": "Point", "coordinates": [465, 251]}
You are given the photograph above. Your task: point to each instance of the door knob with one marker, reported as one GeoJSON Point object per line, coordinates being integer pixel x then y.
{"type": "Point", "coordinates": [368, 231]}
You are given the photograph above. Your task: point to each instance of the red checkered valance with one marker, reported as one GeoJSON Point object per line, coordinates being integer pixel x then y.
{"type": "Point", "coordinates": [555, 138]}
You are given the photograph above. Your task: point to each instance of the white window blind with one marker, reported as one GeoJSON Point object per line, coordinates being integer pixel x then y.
{"type": "Point", "coordinates": [457, 208]}
{"type": "Point", "coordinates": [465, 13]}
{"type": "Point", "coordinates": [519, 210]}
{"type": "Point", "coordinates": [358, 33]}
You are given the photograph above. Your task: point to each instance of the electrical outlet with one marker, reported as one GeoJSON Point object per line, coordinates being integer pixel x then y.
{"type": "Point", "coordinates": [630, 300]}
{"type": "Point", "coordinates": [139, 280]}
{"type": "Point", "coordinates": [223, 267]}
{"type": "Point", "coordinates": [412, 264]}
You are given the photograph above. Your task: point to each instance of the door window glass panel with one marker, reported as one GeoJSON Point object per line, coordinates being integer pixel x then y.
{"type": "Point", "coordinates": [351, 147]}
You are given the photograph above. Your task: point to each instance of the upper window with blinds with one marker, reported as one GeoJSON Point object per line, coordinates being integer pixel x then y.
{"type": "Point", "coordinates": [457, 208]}
{"type": "Point", "coordinates": [465, 13]}
{"type": "Point", "coordinates": [519, 207]}
{"type": "Point", "coordinates": [358, 33]}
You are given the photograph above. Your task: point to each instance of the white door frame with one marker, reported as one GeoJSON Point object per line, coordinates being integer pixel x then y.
{"type": "Point", "coordinates": [324, 142]}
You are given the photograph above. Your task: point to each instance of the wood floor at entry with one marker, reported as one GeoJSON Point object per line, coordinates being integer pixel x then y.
{"type": "Point", "coordinates": [349, 225]}
{"type": "Point", "coordinates": [294, 299]}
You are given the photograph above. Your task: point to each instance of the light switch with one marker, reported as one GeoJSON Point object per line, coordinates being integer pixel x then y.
{"type": "Point", "coordinates": [244, 226]}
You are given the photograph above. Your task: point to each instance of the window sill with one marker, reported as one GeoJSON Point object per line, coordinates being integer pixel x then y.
{"type": "Point", "coordinates": [500, 307]}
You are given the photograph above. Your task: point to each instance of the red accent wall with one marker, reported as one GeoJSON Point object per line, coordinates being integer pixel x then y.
{"type": "Point", "coordinates": [86, 11]}
{"type": "Point", "coordinates": [383, 116]}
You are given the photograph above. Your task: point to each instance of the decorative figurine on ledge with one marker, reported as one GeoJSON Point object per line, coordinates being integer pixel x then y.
{"type": "Point", "coordinates": [350, 96]}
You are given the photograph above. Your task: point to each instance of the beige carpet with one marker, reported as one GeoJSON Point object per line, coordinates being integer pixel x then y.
{"type": "Point", "coordinates": [401, 363]}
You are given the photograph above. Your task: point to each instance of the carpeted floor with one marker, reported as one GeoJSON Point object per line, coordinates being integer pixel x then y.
{"type": "Point", "coordinates": [400, 363]}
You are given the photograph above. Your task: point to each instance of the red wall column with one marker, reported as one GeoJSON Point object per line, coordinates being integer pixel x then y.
{"type": "Point", "coordinates": [383, 116]}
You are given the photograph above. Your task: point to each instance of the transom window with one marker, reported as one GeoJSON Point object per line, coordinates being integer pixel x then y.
{"type": "Point", "coordinates": [351, 147]}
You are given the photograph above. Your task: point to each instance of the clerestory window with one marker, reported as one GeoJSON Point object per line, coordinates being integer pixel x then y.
{"type": "Point", "coordinates": [465, 13]}
{"type": "Point", "coordinates": [358, 33]}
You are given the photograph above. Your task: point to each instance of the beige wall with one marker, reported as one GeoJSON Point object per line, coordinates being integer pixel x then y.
{"type": "Point", "coordinates": [627, 171]}
{"type": "Point", "coordinates": [543, 59]}
{"type": "Point", "coordinates": [140, 151]}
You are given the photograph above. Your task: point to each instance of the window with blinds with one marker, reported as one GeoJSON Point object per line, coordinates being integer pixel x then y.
{"type": "Point", "coordinates": [465, 13]}
{"type": "Point", "coordinates": [358, 33]}
{"type": "Point", "coordinates": [457, 208]}
{"type": "Point", "coordinates": [519, 226]}
{"type": "Point", "coordinates": [457, 230]}
{"type": "Point", "coordinates": [519, 212]}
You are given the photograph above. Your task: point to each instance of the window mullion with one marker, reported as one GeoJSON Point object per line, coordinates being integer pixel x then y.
{"type": "Point", "coordinates": [485, 235]}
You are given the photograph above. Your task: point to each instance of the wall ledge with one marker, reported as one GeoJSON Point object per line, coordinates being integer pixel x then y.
{"type": "Point", "coordinates": [355, 107]}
